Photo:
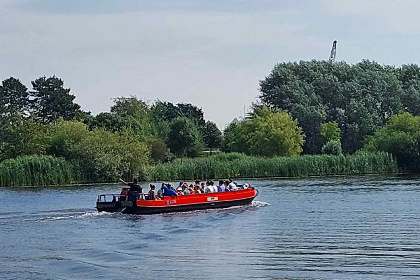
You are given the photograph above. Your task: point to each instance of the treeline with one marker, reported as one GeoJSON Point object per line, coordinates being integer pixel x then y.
{"type": "Point", "coordinates": [116, 144]}
{"type": "Point", "coordinates": [359, 98]}
{"type": "Point", "coordinates": [313, 107]}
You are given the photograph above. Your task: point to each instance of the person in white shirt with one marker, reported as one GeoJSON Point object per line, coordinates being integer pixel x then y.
{"type": "Point", "coordinates": [213, 186]}
{"type": "Point", "coordinates": [208, 188]}
{"type": "Point", "coordinates": [232, 186]}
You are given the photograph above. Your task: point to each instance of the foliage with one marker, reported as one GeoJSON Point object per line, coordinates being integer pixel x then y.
{"type": "Point", "coordinates": [22, 137]}
{"type": "Point", "coordinates": [50, 100]}
{"type": "Point", "coordinates": [331, 131]}
{"type": "Point", "coordinates": [184, 138]}
{"type": "Point", "coordinates": [14, 102]}
{"type": "Point", "coordinates": [242, 166]}
{"type": "Point", "coordinates": [101, 154]}
{"type": "Point", "coordinates": [158, 150]}
{"type": "Point", "coordinates": [267, 133]}
{"type": "Point", "coordinates": [401, 137]}
{"type": "Point", "coordinates": [332, 147]}
{"type": "Point", "coordinates": [37, 171]}
{"type": "Point", "coordinates": [358, 97]}
{"type": "Point", "coordinates": [212, 135]}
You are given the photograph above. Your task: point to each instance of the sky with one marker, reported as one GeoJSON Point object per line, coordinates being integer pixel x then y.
{"type": "Point", "coordinates": [209, 53]}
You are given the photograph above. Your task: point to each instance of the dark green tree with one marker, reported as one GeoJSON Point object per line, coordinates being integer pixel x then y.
{"type": "Point", "coordinates": [50, 100]}
{"type": "Point", "coordinates": [14, 100]}
{"type": "Point", "coordinates": [192, 112]}
{"type": "Point", "coordinates": [401, 137]}
{"type": "Point", "coordinates": [212, 135]}
{"type": "Point", "coordinates": [358, 97]}
{"type": "Point", "coordinates": [184, 138]}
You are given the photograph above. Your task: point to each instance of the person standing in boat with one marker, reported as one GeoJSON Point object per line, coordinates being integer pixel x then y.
{"type": "Point", "coordinates": [135, 189]}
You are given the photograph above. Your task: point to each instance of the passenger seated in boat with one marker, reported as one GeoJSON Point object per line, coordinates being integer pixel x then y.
{"type": "Point", "coordinates": [168, 191]}
{"type": "Point", "coordinates": [123, 194]}
{"type": "Point", "coordinates": [191, 188]}
{"type": "Point", "coordinates": [179, 191]}
{"type": "Point", "coordinates": [221, 187]}
{"type": "Point", "coordinates": [210, 187]}
{"type": "Point", "coordinates": [160, 191]}
{"type": "Point", "coordinates": [232, 185]}
{"type": "Point", "coordinates": [226, 184]}
{"type": "Point", "coordinates": [196, 190]}
{"type": "Point", "coordinates": [151, 194]}
{"type": "Point", "coordinates": [185, 190]}
{"type": "Point", "coordinates": [207, 188]}
{"type": "Point", "coordinates": [197, 183]}
{"type": "Point", "coordinates": [202, 187]}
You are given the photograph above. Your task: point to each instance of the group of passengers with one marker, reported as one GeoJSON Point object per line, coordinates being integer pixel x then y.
{"type": "Point", "coordinates": [184, 188]}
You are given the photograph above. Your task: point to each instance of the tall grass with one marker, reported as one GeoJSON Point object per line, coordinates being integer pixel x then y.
{"type": "Point", "coordinates": [37, 171]}
{"type": "Point", "coordinates": [242, 166]}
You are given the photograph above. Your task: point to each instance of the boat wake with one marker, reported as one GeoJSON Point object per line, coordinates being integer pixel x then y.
{"type": "Point", "coordinates": [256, 203]}
{"type": "Point", "coordinates": [69, 216]}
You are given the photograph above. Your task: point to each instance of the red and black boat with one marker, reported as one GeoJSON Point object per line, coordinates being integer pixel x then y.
{"type": "Point", "coordinates": [181, 203]}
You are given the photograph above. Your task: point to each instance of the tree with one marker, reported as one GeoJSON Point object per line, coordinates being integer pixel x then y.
{"type": "Point", "coordinates": [331, 131]}
{"type": "Point", "coordinates": [212, 135]}
{"type": "Point", "coordinates": [50, 100]}
{"type": "Point", "coordinates": [101, 155]}
{"type": "Point", "coordinates": [273, 133]}
{"type": "Point", "coordinates": [192, 112]}
{"type": "Point", "coordinates": [266, 133]}
{"type": "Point", "coordinates": [158, 150]}
{"type": "Point", "coordinates": [23, 137]}
{"type": "Point", "coordinates": [14, 100]}
{"type": "Point", "coordinates": [332, 134]}
{"type": "Point", "coordinates": [234, 138]}
{"type": "Point", "coordinates": [358, 97]}
{"type": "Point", "coordinates": [401, 137]}
{"type": "Point", "coordinates": [184, 138]}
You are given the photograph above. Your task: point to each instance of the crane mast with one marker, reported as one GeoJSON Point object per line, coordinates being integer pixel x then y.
{"type": "Point", "coordinates": [333, 52]}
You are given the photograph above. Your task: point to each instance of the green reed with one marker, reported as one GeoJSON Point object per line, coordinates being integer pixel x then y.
{"type": "Point", "coordinates": [37, 171]}
{"type": "Point", "coordinates": [242, 166]}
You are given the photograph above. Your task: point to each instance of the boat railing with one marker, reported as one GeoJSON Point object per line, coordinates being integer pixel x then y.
{"type": "Point", "coordinates": [112, 197]}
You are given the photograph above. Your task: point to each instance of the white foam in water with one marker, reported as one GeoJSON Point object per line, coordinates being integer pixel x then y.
{"type": "Point", "coordinates": [259, 203]}
{"type": "Point", "coordinates": [87, 215]}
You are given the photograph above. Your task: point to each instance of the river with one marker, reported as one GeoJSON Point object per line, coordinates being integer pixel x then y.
{"type": "Point", "coordinates": [320, 228]}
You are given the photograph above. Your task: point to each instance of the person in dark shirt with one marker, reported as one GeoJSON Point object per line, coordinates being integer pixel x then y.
{"type": "Point", "coordinates": [151, 195]}
{"type": "Point", "coordinates": [135, 189]}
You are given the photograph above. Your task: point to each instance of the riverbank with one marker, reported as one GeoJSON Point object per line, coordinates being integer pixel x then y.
{"type": "Point", "coordinates": [49, 171]}
{"type": "Point", "coordinates": [236, 165]}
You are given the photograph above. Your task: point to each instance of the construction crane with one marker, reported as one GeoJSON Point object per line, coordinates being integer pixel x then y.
{"type": "Point", "coordinates": [333, 52]}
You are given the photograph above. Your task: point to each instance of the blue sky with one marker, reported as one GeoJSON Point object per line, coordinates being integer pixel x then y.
{"type": "Point", "coordinates": [209, 53]}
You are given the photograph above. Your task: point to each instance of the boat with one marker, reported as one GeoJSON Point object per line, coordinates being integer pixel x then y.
{"type": "Point", "coordinates": [181, 203]}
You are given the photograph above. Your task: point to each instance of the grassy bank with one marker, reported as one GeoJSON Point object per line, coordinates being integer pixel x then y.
{"type": "Point", "coordinates": [241, 166]}
{"type": "Point", "coordinates": [48, 170]}
{"type": "Point", "coordinates": [37, 171]}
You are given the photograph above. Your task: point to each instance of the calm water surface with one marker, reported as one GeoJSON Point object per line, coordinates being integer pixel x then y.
{"type": "Point", "coordinates": [331, 228]}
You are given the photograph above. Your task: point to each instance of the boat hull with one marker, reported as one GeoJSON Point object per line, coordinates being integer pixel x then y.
{"type": "Point", "coordinates": [181, 203]}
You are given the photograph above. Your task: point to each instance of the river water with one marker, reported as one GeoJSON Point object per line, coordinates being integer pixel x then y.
{"type": "Point", "coordinates": [321, 228]}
